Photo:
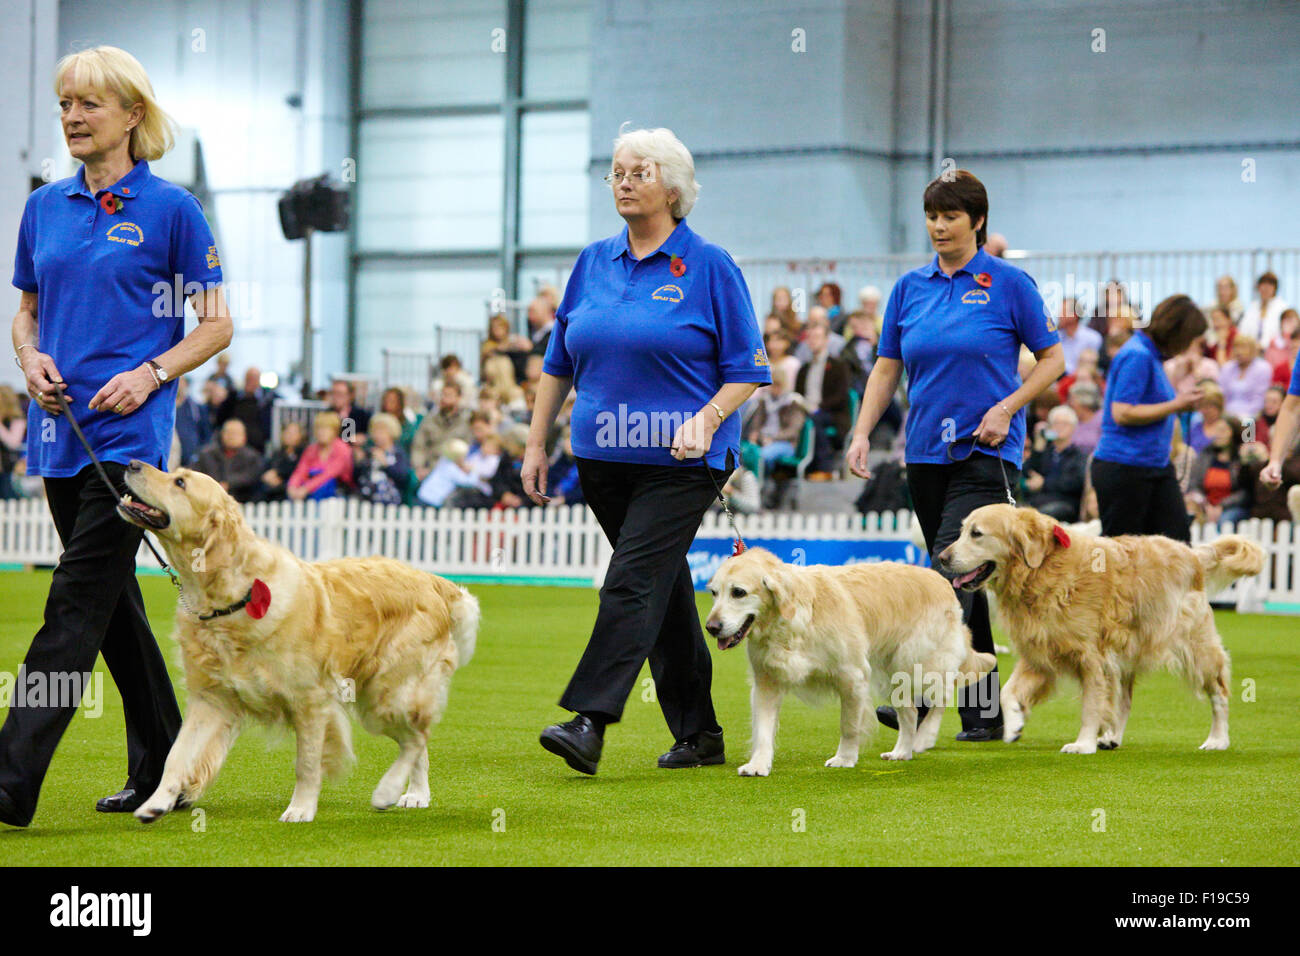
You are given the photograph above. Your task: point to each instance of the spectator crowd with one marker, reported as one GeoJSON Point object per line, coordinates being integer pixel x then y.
{"type": "Point", "coordinates": [462, 444]}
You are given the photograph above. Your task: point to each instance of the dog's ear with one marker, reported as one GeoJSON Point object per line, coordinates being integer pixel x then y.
{"type": "Point", "coordinates": [1031, 536]}
{"type": "Point", "coordinates": [786, 589]}
{"type": "Point", "coordinates": [220, 535]}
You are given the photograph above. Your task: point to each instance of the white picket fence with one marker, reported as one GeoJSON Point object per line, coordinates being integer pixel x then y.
{"type": "Point", "coordinates": [565, 544]}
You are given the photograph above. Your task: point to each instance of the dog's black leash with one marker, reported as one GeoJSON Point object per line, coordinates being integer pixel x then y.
{"type": "Point", "coordinates": [1011, 499]}
{"type": "Point", "coordinates": [726, 505]}
{"type": "Point", "coordinates": [76, 428]}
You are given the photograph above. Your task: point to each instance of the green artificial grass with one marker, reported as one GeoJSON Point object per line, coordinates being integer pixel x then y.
{"type": "Point", "coordinates": [499, 799]}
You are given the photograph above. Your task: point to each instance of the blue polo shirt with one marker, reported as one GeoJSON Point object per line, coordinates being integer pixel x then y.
{"type": "Point", "coordinates": [959, 340]}
{"type": "Point", "coordinates": [1295, 379]}
{"type": "Point", "coordinates": [647, 349]}
{"type": "Point", "coordinates": [111, 289]}
{"type": "Point", "coordinates": [1137, 377]}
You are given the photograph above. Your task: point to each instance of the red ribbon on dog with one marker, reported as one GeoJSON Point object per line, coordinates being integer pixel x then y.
{"type": "Point", "coordinates": [260, 601]}
{"type": "Point", "coordinates": [1061, 537]}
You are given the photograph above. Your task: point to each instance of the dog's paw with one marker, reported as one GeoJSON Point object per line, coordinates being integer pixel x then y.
{"type": "Point", "coordinates": [1214, 743]}
{"type": "Point", "coordinates": [413, 800]}
{"type": "Point", "coordinates": [297, 815]}
{"type": "Point", "coordinates": [1078, 748]}
{"type": "Point", "coordinates": [753, 769]}
{"type": "Point", "coordinates": [896, 755]}
{"type": "Point", "coordinates": [151, 812]}
{"type": "Point", "coordinates": [838, 761]}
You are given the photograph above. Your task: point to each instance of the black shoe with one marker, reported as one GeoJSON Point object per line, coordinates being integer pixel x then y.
{"type": "Point", "coordinates": [9, 812]}
{"type": "Point", "coordinates": [577, 741]}
{"type": "Point", "coordinates": [889, 717]}
{"type": "Point", "coordinates": [128, 800]}
{"type": "Point", "coordinates": [704, 749]}
{"type": "Point", "coordinates": [980, 735]}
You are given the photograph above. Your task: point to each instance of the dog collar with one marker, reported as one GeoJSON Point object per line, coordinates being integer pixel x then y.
{"type": "Point", "coordinates": [257, 600]}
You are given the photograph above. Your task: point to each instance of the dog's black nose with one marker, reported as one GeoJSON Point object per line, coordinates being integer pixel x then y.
{"type": "Point", "coordinates": [713, 628]}
{"type": "Point", "coordinates": [135, 464]}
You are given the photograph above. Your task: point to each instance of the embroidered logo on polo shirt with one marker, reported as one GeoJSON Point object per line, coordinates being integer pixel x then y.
{"type": "Point", "coordinates": [214, 260]}
{"type": "Point", "coordinates": [127, 232]}
{"type": "Point", "coordinates": [1051, 319]}
{"type": "Point", "coordinates": [976, 297]}
{"type": "Point", "coordinates": [760, 358]}
{"type": "Point", "coordinates": [668, 293]}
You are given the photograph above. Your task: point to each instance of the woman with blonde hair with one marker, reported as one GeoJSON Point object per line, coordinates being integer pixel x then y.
{"type": "Point", "coordinates": [499, 376]}
{"type": "Point", "coordinates": [92, 251]}
{"type": "Point", "coordinates": [325, 468]}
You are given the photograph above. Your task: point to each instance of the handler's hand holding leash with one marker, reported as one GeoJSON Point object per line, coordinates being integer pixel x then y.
{"type": "Point", "coordinates": [43, 380]}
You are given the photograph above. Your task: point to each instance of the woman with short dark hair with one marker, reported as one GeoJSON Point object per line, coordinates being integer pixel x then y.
{"type": "Point", "coordinates": [1137, 488]}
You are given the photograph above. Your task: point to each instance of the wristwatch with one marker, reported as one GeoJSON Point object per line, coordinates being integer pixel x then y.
{"type": "Point", "coordinates": [157, 370]}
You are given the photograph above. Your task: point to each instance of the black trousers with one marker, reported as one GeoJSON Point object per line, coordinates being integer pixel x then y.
{"type": "Point", "coordinates": [94, 606]}
{"type": "Point", "coordinates": [650, 514]}
{"type": "Point", "coordinates": [1137, 500]}
{"type": "Point", "coordinates": [942, 496]}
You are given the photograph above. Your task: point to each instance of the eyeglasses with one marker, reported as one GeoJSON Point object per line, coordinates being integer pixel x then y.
{"type": "Point", "coordinates": [642, 176]}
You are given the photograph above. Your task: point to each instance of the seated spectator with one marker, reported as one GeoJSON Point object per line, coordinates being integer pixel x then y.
{"type": "Point", "coordinates": [824, 384]}
{"type": "Point", "coordinates": [354, 421]}
{"type": "Point", "coordinates": [783, 308]}
{"type": "Point", "coordinates": [1084, 400]}
{"type": "Point", "coordinates": [393, 402]}
{"type": "Point", "coordinates": [1282, 370]}
{"type": "Point", "coordinates": [501, 341]}
{"type": "Point", "coordinates": [451, 370]}
{"type": "Point", "coordinates": [1217, 343]}
{"type": "Point", "coordinates": [499, 376]}
{"type": "Point", "coordinates": [834, 341]}
{"type": "Point", "coordinates": [215, 394]}
{"type": "Point", "coordinates": [777, 420]}
{"type": "Point", "coordinates": [1054, 471]}
{"type": "Point", "coordinates": [1085, 371]}
{"type": "Point", "coordinates": [252, 406]}
{"type": "Point", "coordinates": [1273, 399]}
{"type": "Point", "coordinates": [481, 464]}
{"type": "Point", "coordinates": [1191, 367]}
{"type": "Point", "coordinates": [231, 462]}
{"type": "Point", "coordinates": [1225, 298]}
{"type": "Point", "coordinates": [1245, 379]}
{"type": "Point", "coordinates": [1208, 411]}
{"type": "Point", "coordinates": [1075, 337]}
{"type": "Point", "coordinates": [828, 297]}
{"type": "Point", "coordinates": [13, 440]}
{"type": "Point", "coordinates": [508, 483]}
{"type": "Point", "coordinates": [859, 349]}
{"type": "Point", "coordinates": [381, 467]}
{"type": "Point", "coordinates": [1114, 342]}
{"type": "Point", "coordinates": [1278, 349]}
{"type": "Point", "coordinates": [193, 424]}
{"type": "Point", "coordinates": [449, 420]}
{"type": "Point", "coordinates": [449, 473]}
{"type": "Point", "coordinates": [869, 299]}
{"type": "Point", "coordinates": [779, 346]}
{"type": "Point", "coordinates": [562, 483]}
{"type": "Point", "coordinates": [1216, 493]}
{"type": "Point", "coordinates": [541, 317]}
{"type": "Point", "coordinates": [1263, 316]}
{"type": "Point", "coordinates": [282, 462]}
{"type": "Point", "coordinates": [325, 469]}
{"type": "Point", "coordinates": [1113, 311]}
{"type": "Point", "coordinates": [742, 492]}
{"type": "Point", "coordinates": [1266, 502]}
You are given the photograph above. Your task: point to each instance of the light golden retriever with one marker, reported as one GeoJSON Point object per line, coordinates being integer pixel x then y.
{"type": "Point", "coordinates": [1100, 610]}
{"type": "Point", "coordinates": [368, 633]}
{"type": "Point", "coordinates": [884, 630]}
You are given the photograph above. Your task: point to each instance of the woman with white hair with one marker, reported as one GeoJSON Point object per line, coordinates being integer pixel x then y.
{"type": "Point", "coordinates": [657, 334]}
{"type": "Point", "coordinates": [93, 250]}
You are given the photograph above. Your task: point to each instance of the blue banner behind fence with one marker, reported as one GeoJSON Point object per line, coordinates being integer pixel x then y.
{"type": "Point", "coordinates": [707, 553]}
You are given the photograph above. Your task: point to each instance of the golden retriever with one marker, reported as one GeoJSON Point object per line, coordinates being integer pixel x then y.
{"type": "Point", "coordinates": [1100, 610]}
{"type": "Point", "coordinates": [884, 630]}
{"type": "Point", "coordinates": [369, 633]}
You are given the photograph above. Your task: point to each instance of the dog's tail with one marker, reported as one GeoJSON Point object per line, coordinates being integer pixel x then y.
{"type": "Point", "coordinates": [464, 625]}
{"type": "Point", "coordinates": [975, 666]}
{"type": "Point", "coordinates": [1227, 558]}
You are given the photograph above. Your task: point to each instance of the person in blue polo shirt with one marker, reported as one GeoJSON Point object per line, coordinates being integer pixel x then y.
{"type": "Point", "coordinates": [105, 262]}
{"type": "Point", "coordinates": [957, 326]}
{"type": "Point", "coordinates": [1136, 484]}
{"type": "Point", "coordinates": [657, 334]}
{"type": "Point", "coordinates": [1285, 430]}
